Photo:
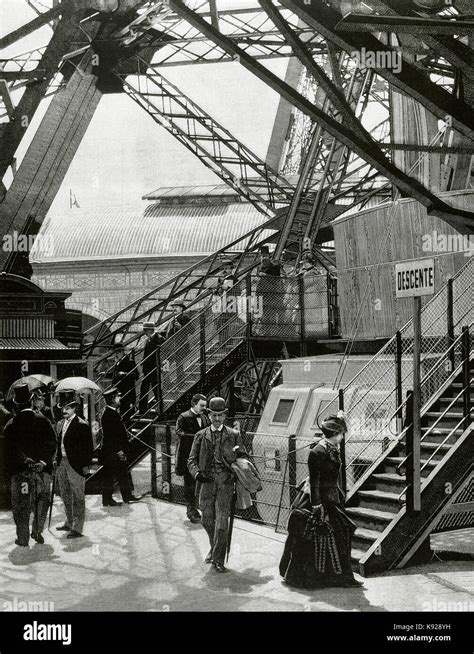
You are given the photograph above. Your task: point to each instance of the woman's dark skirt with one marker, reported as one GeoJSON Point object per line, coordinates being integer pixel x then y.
{"type": "Point", "coordinates": [301, 558]}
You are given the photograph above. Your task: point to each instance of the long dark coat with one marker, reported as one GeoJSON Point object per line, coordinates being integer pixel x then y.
{"type": "Point", "coordinates": [186, 427]}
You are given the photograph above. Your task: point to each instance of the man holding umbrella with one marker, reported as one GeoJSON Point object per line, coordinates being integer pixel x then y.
{"type": "Point", "coordinates": [72, 460]}
{"type": "Point", "coordinates": [30, 444]}
{"type": "Point", "coordinates": [214, 450]}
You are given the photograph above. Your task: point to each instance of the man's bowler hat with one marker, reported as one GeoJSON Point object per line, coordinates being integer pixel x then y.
{"type": "Point", "coordinates": [217, 405]}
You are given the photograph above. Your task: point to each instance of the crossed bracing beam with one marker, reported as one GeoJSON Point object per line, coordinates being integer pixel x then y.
{"type": "Point", "coordinates": [367, 150]}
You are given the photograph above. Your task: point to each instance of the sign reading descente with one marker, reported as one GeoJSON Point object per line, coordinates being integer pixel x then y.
{"type": "Point", "coordinates": [415, 278]}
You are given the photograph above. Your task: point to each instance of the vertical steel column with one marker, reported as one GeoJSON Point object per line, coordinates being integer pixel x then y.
{"type": "Point", "coordinates": [248, 291]}
{"type": "Point", "coordinates": [466, 374]}
{"type": "Point", "coordinates": [301, 303]}
{"type": "Point", "coordinates": [202, 344]}
{"type": "Point", "coordinates": [292, 467]}
{"type": "Point", "coordinates": [342, 447]}
{"type": "Point", "coordinates": [398, 381]}
{"type": "Point", "coordinates": [450, 320]}
{"type": "Point", "coordinates": [153, 470]}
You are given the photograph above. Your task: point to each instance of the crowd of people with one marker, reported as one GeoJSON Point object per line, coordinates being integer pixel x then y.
{"type": "Point", "coordinates": [46, 445]}
{"type": "Point", "coordinates": [210, 456]}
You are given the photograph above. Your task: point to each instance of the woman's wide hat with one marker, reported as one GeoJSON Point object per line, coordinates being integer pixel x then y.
{"type": "Point", "coordinates": [333, 425]}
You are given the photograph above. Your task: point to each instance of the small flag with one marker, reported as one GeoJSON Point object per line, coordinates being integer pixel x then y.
{"type": "Point", "coordinates": [73, 200]}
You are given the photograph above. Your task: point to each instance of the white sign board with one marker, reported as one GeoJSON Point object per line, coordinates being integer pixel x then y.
{"type": "Point", "coordinates": [415, 278]}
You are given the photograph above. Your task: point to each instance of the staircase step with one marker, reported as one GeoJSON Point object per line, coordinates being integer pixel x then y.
{"type": "Point", "coordinates": [439, 434]}
{"type": "Point", "coordinates": [392, 463]}
{"type": "Point", "coordinates": [356, 556]}
{"type": "Point", "coordinates": [371, 519]}
{"type": "Point", "coordinates": [389, 482]}
{"type": "Point", "coordinates": [379, 500]}
{"type": "Point", "coordinates": [431, 447]}
{"type": "Point", "coordinates": [364, 538]}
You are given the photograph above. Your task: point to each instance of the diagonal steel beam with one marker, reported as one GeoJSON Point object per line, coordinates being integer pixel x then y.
{"type": "Point", "coordinates": [24, 111]}
{"type": "Point", "coordinates": [332, 91]}
{"type": "Point", "coordinates": [410, 80]}
{"type": "Point", "coordinates": [460, 55]}
{"type": "Point", "coordinates": [407, 185]}
{"type": "Point", "coordinates": [403, 24]}
{"type": "Point", "coordinates": [214, 145]}
{"type": "Point", "coordinates": [33, 25]}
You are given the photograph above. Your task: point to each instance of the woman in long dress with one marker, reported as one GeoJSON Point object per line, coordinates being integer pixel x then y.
{"type": "Point", "coordinates": [322, 562]}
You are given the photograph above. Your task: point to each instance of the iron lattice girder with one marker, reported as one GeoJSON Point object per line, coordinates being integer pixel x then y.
{"type": "Point", "coordinates": [333, 93]}
{"type": "Point", "coordinates": [246, 26]}
{"type": "Point", "coordinates": [460, 55]}
{"type": "Point", "coordinates": [34, 24]}
{"type": "Point", "coordinates": [403, 24]}
{"type": "Point", "coordinates": [410, 80]}
{"type": "Point", "coordinates": [461, 220]}
{"type": "Point", "coordinates": [214, 145]}
{"type": "Point", "coordinates": [188, 286]}
{"type": "Point", "coordinates": [15, 129]}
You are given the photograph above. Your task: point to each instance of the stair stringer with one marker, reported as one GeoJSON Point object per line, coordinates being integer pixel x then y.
{"type": "Point", "coordinates": [388, 551]}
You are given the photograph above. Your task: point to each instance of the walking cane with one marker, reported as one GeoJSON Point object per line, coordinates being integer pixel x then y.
{"type": "Point", "coordinates": [51, 500]}
{"type": "Point", "coordinates": [231, 521]}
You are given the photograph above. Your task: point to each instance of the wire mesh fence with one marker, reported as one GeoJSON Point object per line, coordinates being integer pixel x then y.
{"type": "Point", "coordinates": [281, 464]}
{"type": "Point", "coordinates": [281, 308]}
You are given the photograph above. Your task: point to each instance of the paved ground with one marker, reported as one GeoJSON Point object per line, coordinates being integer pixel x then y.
{"type": "Point", "coordinates": [148, 557]}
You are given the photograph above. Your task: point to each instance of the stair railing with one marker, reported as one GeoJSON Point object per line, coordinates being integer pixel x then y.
{"type": "Point", "coordinates": [360, 464]}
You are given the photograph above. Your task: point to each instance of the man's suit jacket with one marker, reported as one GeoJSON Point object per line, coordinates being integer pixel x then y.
{"type": "Point", "coordinates": [186, 427]}
{"type": "Point", "coordinates": [152, 344]}
{"type": "Point", "coordinates": [202, 452]}
{"type": "Point", "coordinates": [29, 437]}
{"type": "Point", "coordinates": [115, 435]}
{"type": "Point", "coordinates": [77, 443]}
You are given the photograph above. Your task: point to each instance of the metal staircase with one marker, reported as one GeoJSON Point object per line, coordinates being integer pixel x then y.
{"type": "Point", "coordinates": [388, 535]}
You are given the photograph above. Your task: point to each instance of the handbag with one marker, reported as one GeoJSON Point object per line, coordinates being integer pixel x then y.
{"type": "Point", "coordinates": [301, 524]}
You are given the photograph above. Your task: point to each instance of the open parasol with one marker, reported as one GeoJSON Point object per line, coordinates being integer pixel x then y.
{"type": "Point", "coordinates": [34, 381]}
{"type": "Point", "coordinates": [79, 384]}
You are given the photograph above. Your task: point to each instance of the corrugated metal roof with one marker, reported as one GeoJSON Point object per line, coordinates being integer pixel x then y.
{"type": "Point", "coordinates": [160, 230]}
{"type": "Point", "coordinates": [31, 344]}
{"type": "Point", "coordinates": [185, 192]}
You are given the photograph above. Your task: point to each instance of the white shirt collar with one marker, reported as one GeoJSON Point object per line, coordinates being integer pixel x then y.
{"type": "Point", "coordinates": [220, 428]}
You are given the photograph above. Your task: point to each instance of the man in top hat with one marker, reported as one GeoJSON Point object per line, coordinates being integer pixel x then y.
{"type": "Point", "coordinates": [124, 377]}
{"type": "Point", "coordinates": [72, 460]}
{"type": "Point", "coordinates": [30, 444]}
{"type": "Point", "coordinates": [113, 451]}
{"type": "Point", "coordinates": [214, 450]}
{"type": "Point", "coordinates": [181, 345]}
{"type": "Point", "coordinates": [187, 425]}
{"type": "Point", "coordinates": [151, 348]}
